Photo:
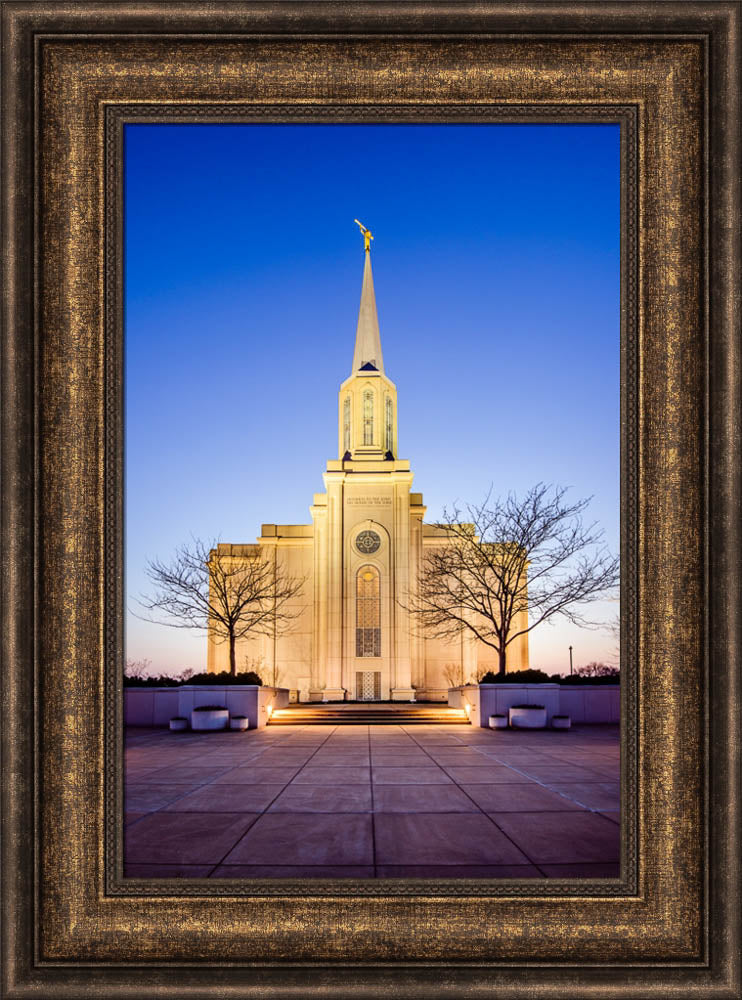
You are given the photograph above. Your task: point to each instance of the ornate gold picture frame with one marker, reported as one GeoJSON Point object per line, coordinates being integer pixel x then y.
{"type": "Point", "coordinates": [72, 73]}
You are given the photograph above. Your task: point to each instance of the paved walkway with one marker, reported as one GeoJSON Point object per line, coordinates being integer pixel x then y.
{"type": "Point", "coordinates": [373, 801]}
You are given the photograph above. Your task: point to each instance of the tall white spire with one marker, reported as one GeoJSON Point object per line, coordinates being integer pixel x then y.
{"type": "Point", "coordinates": [368, 341]}
{"type": "Point", "coordinates": [367, 414]}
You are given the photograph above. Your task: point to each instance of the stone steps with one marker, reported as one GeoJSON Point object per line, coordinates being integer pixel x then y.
{"type": "Point", "coordinates": [368, 715]}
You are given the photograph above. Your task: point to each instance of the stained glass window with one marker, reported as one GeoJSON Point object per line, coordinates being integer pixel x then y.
{"type": "Point", "coordinates": [368, 417]}
{"type": "Point", "coordinates": [346, 424]}
{"type": "Point", "coordinates": [389, 425]}
{"type": "Point", "coordinates": [368, 542]}
{"type": "Point", "coordinates": [368, 612]}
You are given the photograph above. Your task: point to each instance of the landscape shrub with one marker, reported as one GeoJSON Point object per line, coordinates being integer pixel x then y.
{"type": "Point", "coordinates": [221, 679]}
{"type": "Point", "coordinates": [152, 682]}
{"type": "Point", "coordinates": [530, 676]}
{"type": "Point", "coordinates": [576, 679]}
{"type": "Point", "coordinates": [224, 678]}
{"type": "Point", "coordinates": [535, 676]}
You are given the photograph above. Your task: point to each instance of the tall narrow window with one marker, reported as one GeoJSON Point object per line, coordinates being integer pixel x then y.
{"type": "Point", "coordinates": [368, 417]}
{"type": "Point", "coordinates": [389, 435]}
{"type": "Point", "coordinates": [346, 424]}
{"type": "Point", "coordinates": [368, 612]}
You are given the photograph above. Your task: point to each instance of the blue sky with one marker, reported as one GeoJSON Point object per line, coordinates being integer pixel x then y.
{"type": "Point", "coordinates": [496, 266]}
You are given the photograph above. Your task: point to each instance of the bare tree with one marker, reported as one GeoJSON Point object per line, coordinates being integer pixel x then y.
{"type": "Point", "coordinates": [597, 669]}
{"type": "Point", "coordinates": [230, 594]}
{"type": "Point", "coordinates": [453, 673]}
{"type": "Point", "coordinates": [137, 669]}
{"type": "Point", "coordinates": [614, 628]}
{"type": "Point", "coordinates": [511, 565]}
{"type": "Point", "coordinates": [271, 675]}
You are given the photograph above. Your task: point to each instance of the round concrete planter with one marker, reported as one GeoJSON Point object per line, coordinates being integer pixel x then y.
{"type": "Point", "coordinates": [561, 721]}
{"type": "Point", "coordinates": [216, 718]}
{"type": "Point", "coordinates": [527, 718]}
{"type": "Point", "coordinates": [239, 722]}
{"type": "Point", "coordinates": [498, 722]}
{"type": "Point", "coordinates": [177, 725]}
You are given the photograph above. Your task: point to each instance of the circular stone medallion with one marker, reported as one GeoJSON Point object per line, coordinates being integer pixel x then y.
{"type": "Point", "coordinates": [368, 542]}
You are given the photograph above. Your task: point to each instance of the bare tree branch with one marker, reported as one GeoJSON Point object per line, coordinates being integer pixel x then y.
{"type": "Point", "coordinates": [227, 593]}
{"type": "Point", "coordinates": [505, 566]}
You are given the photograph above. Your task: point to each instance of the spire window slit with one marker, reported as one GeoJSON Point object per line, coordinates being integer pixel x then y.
{"type": "Point", "coordinates": [368, 417]}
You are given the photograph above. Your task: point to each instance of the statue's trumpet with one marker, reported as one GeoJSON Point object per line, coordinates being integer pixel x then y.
{"type": "Point", "coordinates": [366, 234]}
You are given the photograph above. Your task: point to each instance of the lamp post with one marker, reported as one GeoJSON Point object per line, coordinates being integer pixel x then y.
{"type": "Point", "coordinates": [570, 661]}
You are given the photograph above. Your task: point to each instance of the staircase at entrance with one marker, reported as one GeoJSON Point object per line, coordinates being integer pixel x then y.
{"type": "Point", "coordinates": [368, 713]}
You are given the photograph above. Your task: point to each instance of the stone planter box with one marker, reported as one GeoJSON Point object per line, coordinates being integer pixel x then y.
{"type": "Point", "coordinates": [583, 703]}
{"type": "Point", "coordinates": [498, 722]}
{"type": "Point", "coordinates": [527, 718]}
{"type": "Point", "coordinates": [239, 722]}
{"type": "Point", "coordinates": [178, 725]}
{"type": "Point", "coordinates": [241, 699]}
{"type": "Point", "coordinates": [156, 706]}
{"type": "Point", "coordinates": [561, 721]}
{"type": "Point", "coordinates": [217, 718]}
{"type": "Point", "coordinates": [151, 706]}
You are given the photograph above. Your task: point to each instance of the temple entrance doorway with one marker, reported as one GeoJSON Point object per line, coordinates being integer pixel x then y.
{"type": "Point", "coordinates": [368, 685]}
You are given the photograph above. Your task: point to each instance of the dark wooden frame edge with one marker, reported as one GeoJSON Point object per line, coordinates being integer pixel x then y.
{"type": "Point", "coordinates": [720, 975]}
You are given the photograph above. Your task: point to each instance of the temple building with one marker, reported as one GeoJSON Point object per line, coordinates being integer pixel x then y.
{"type": "Point", "coordinates": [360, 557]}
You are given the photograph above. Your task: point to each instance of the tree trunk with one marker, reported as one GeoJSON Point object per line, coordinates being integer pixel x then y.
{"type": "Point", "coordinates": [502, 655]}
{"type": "Point", "coordinates": [232, 660]}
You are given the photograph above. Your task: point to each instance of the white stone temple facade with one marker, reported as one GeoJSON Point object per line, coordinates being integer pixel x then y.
{"type": "Point", "coordinates": [353, 637]}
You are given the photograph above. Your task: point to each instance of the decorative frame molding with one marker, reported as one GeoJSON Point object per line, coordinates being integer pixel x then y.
{"type": "Point", "coordinates": [68, 930]}
{"type": "Point", "coordinates": [116, 117]}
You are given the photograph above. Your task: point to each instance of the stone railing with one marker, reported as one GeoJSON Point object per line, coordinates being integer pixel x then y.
{"type": "Point", "coordinates": [582, 703]}
{"type": "Point", "coordinates": [157, 706]}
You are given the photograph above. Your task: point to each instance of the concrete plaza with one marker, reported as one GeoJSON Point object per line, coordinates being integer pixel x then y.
{"type": "Point", "coordinates": [365, 801]}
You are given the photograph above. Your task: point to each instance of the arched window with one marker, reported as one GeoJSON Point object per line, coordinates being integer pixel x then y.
{"type": "Point", "coordinates": [346, 424]}
{"type": "Point", "coordinates": [368, 612]}
{"type": "Point", "coordinates": [368, 417]}
{"type": "Point", "coordinates": [389, 430]}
